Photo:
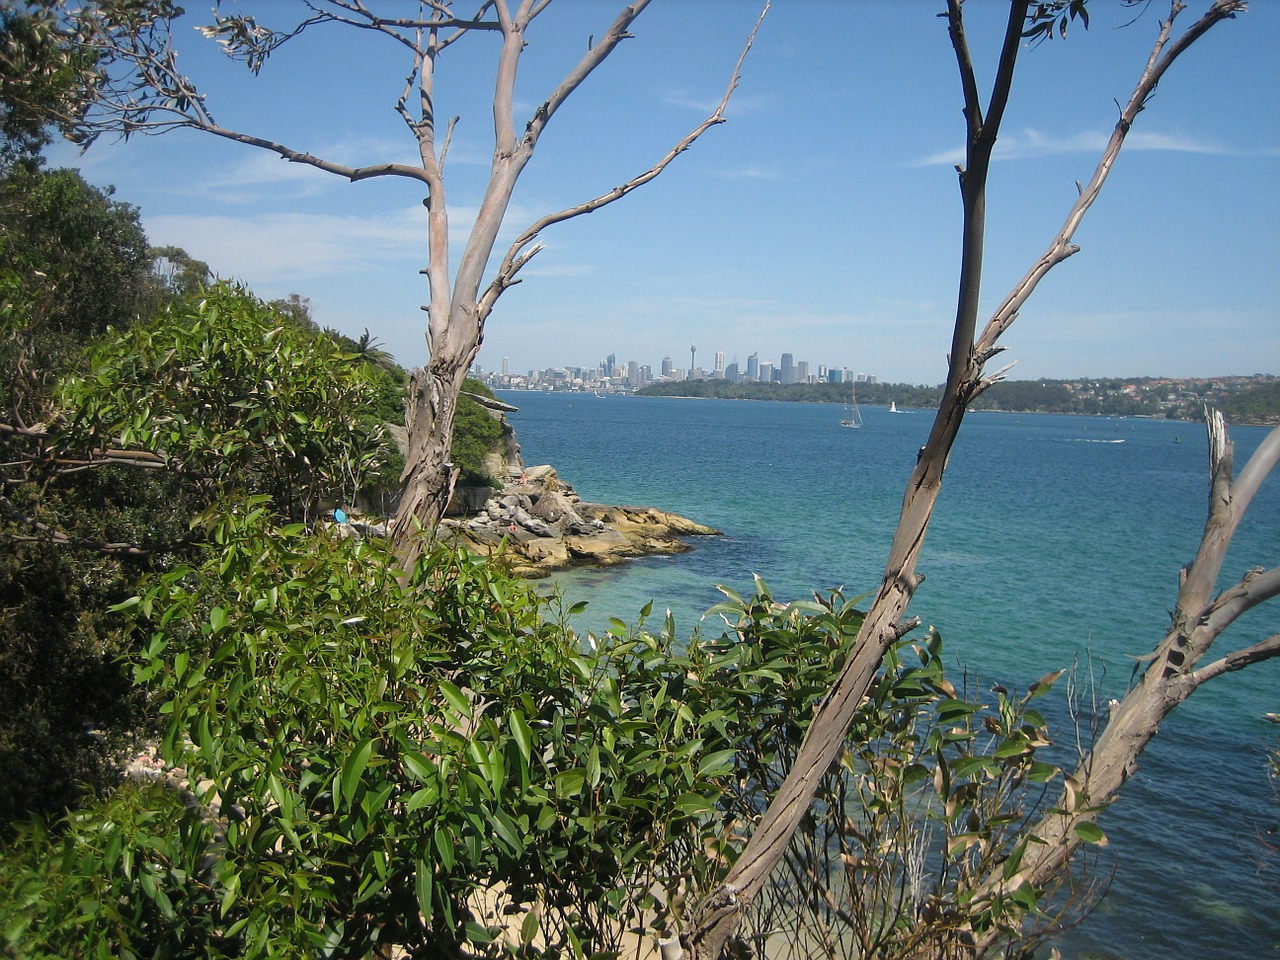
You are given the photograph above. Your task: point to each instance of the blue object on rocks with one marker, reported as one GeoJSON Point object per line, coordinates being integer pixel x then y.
{"type": "Point", "coordinates": [339, 515]}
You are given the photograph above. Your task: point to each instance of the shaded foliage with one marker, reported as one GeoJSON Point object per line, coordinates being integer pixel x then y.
{"type": "Point", "coordinates": [477, 435]}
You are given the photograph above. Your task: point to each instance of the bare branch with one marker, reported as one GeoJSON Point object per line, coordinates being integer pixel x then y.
{"type": "Point", "coordinates": [596, 55]}
{"type": "Point", "coordinates": [1254, 588]}
{"type": "Point", "coordinates": [1260, 651]}
{"type": "Point", "coordinates": [353, 174]}
{"type": "Point", "coordinates": [719, 915]}
{"type": "Point", "coordinates": [1062, 247]}
{"type": "Point", "coordinates": [516, 256]}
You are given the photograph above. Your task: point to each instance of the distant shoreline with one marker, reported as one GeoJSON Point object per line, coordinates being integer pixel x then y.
{"type": "Point", "coordinates": [907, 407]}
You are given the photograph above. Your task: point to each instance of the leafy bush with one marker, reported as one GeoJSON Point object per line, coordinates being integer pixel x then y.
{"type": "Point", "coordinates": [213, 398]}
{"type": "Point", "coordinates": [438, 762]}
{"type": "Point", "coordinates": [233, 399]}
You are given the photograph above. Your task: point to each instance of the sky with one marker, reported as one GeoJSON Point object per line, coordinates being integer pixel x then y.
{"type": "Point", "coordinates": [822, 219]}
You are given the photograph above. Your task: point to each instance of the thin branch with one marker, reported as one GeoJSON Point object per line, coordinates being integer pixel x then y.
{"type": "Point", "coordinates": [1259, 467]}
{"type": "Point", "coordinates": [596, 55]}
{"type": "Point", "coordinates": [353, 174]}
{"type": "Point", "coordinates": [1254, 588]}
{"type": "Point", "coordinates": [1062, 247]}
{"type": "Point", "coordinates": [516, 256]}
{"type": "Point", "coordinates": [1238, 660]}
{"type": "Point", "coordinates": [964, 60]}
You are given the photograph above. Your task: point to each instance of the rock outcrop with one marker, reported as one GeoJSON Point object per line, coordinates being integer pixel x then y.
{"type": "Point", "coordinates": [542, 525]}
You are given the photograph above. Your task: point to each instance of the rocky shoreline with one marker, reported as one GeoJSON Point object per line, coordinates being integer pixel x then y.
{"type": "Point", "coordinates": [541, 525]}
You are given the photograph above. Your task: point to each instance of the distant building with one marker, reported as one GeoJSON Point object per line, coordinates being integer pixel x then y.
{"type": "Point", "coordinates": [802, 372]}
{"type": "Point", "coordinates": [719, 367]}
{"type": "Point", "coordinates": [731, 372]}
{"type": "Point", "coordinates": [766, 372]}
{"type": "Point", "coordinates": [788, 368]}
{"type": "Point", "coordinates": [667, 367]}
{"type": "Point", "coordinates": [753, 367]}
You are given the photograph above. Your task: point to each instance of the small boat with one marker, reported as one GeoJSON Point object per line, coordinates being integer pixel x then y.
{"type": "Point", "coordinates": [852, 416]}
{"type": "Point", "coordinates": [893, 407]}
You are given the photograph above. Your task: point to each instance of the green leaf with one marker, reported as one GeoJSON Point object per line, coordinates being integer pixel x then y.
{"type": "Point", "coordinates": [529, 927]}
{"type": "Point", "coordinates": [423, 882]}
{"type": "Point", "coordinates": [716, 764]}
{"type": "Point", "coordinates": [353, 769]}
{"type": "Point", "coordinates": [1044, 684]}
{"type": "Point", "coordinates": [457, 699]}
{"type": "Point", "coordinates": [693, 804]}
{"type": "Point", "coordinates": [419, 766]}
{"type": "Point", "coordinates": [522, 734]}
{"type": "Point", "coordinates": [1090, 832]}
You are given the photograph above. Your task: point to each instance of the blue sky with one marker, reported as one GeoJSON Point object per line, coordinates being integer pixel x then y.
{"type": "Point", "coordinates": [821, 220]}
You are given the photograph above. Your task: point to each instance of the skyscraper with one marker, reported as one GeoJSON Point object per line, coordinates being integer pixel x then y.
{"type": "Point", "coordinates": [788, 368]}
{"type": "Point", "coordinates": [667, 366]}
{"type": "Point", "coordinates": [753, 367]}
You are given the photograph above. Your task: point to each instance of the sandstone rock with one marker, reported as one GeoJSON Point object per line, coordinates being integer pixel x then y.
{"type": "Point", "coordinates": [554, 507]}
{"type": "Point", "coordinates": [541, 524]}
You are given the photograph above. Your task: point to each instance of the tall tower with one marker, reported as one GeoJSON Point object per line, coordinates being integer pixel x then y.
{"type": "Point", "coordinates": [693, 352]}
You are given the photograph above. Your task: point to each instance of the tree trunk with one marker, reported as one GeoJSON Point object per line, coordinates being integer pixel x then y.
{"type": "Point", "coordinates": [429, 476]}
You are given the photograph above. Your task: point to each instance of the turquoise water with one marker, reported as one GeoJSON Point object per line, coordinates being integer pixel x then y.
{"type": "Point", "coordinates": [1053, 541]}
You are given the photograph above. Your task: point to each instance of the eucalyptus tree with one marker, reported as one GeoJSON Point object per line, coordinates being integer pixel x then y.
{"type": "Point", "coordinates": [1179, 665]}
{"type": "Point", "coordinates": [43, 76]}
{"type": "Point", "coordinates": [141, 89]}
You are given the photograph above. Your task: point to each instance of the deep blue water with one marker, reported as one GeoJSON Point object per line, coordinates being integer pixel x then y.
{"type": "Point", "coordinates": [1052, 542]}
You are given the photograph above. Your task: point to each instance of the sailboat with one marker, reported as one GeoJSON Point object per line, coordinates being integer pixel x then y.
{"type": "Point", "coordinates": [852, 416]}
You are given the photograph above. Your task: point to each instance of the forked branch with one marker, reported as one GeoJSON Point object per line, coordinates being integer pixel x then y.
{"type": "Point", "coordinates": [1172, 672]}
{"type": "Point", "coordinates": [520, 252]}
{"type": "Point", "coordinates": [719, 915]}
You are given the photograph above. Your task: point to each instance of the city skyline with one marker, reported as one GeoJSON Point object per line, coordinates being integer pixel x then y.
{"type": "Point", "coordinates": [635, 374]}
{"type": "Point", "coordinates": [820, 219]}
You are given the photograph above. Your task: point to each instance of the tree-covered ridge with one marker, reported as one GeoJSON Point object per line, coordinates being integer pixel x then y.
{"type": "Point", "coordinates": [1253, 399]}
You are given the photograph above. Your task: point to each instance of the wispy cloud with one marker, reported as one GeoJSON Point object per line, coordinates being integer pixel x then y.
{"type": "Point", "coordinates": [740, 105]}
{"type": "Point", "coordinates": [1032, 143]}
{"type": "Point", "coordinates": [751, 171]}
{"type": "Point", "coordinates": [272, 249]}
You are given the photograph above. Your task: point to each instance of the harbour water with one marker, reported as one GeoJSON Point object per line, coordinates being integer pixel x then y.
{"type": "Point", "coordinates": [1057, 540]}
